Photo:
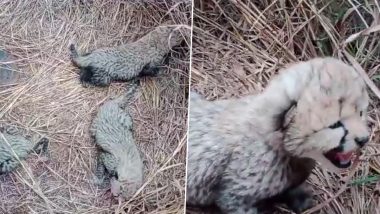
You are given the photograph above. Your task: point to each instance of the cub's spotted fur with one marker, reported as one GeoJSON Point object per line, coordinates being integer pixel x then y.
{"type": "Point", "coordinates": [241, 152]}
{"type": "Point", "coordinates": [14, 147]}
{"type": "Point", "coordinates": [119, 156]}
{"type": "Point", "coordinates": [122, 63]}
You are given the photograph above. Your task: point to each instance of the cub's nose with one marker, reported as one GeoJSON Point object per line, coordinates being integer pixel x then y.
{"type": "Point", "coordinates": [361, 141]}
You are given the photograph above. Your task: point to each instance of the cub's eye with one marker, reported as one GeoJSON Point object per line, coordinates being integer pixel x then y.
{"type": "Point", "coordinates": [336, 125]}
{"type": "Point", "coordinates": [361, 113]}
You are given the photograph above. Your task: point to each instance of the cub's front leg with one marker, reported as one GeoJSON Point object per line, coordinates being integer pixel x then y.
{"type": "Point", "coordinates": [298, 199]}
{"type": "Point", "coordinates": [101, 177]}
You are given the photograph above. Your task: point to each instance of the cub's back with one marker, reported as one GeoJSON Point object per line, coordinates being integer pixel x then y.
{"type": "Point", "coordinates": [20, 145]}
{"type": "Point", "coordinates": [112, 126]}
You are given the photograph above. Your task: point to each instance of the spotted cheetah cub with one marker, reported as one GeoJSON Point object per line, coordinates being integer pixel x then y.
{"type": "Point", "coordinates": [242, 153]}
{"type": "Point", "coordinates": [118, 156]}
{"type": "Point", "coordinates": [125, 62]}
{"type": "Point", "coordinates": [14, 148]}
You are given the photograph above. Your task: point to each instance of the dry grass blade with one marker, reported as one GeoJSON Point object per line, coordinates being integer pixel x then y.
{"type": "Point", "coordinates": [365, 32]}
{"type": "Point", "coordinates": [362, 73]}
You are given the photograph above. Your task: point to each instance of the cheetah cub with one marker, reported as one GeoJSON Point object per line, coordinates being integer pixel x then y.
{"type": "Point", "coordinates": [14, 147]}
{"type": "Point", "coordinates": [119, 155]}
{"type": "Point", "coordinates": [241, 154]}
{"type": "Point", "coordinates": [125, 62]}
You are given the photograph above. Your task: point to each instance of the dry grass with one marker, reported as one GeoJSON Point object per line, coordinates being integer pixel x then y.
{"type": "Point", "coordinates": [239, 45]}
{"type": "Point", "coordinates": [49, 101]}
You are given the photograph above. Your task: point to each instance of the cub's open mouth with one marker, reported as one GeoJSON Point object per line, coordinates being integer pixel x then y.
{"type": "Point", "coordinates": [340, 159]}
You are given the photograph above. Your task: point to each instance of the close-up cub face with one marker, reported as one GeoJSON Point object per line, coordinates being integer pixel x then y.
{"type": "Point", "coordinates": [328, 122]}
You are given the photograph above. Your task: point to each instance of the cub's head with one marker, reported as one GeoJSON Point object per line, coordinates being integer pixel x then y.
{"type": "Point", "coordinates": [328, 122]}
{"type": "Point", "coordinates": [169, 35]}
{"type": "Point", "coordinates": [127, 180]}
{"type": "Point", "coordinates": [124, 189]}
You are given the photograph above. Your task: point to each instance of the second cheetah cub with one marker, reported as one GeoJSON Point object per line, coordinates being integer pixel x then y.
{"type": "Point", "coordinates": [119, 156]}
{"type": "Point", "coordinates": [142, 57]}
{"type": "Point", "coordinates": [14, 147]}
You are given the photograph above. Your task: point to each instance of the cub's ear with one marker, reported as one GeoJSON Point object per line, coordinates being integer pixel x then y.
{"type": "Point", "coordinates": [325, 78]}
{"type": "Point", "coordinates": [73, 51]}
{"type": "Point", "coordinates": [289, 115]}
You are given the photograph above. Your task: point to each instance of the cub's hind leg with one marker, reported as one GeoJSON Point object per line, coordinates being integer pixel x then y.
{"type": "Point", "coordinates": [149, 70]}
{"type": "Point", "coordinates": [90, 75]}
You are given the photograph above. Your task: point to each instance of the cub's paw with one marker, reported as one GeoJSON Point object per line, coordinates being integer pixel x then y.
{"type": "Point", "coordinates": [41, 146]}
{"type": "Point", "coordinates": [115, 187]}
{"type": "Point", "coordinates": [299, 200]}
{"type": "Point", "coordinates": [101, 181]}
{"type": "Point", "coordinates": [12, 130]}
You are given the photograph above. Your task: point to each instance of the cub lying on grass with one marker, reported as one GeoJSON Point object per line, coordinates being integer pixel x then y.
{"type": "Point", "coordinates": [142, 57]}
{"type": "Point", "coordinates": [119, 157]}
{"type": "Point", "coordinates": [14, 147]}
{"type": "Point", "coordinates": [241, 152]}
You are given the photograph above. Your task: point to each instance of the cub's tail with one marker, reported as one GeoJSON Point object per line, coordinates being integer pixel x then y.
{"type": "Point", "coordinates": [127, 97]}
{"type": "Point", "coordinates": [129, 94]}
{"type": "Point", "coordinates": [74, 56]}
{"type": "Point", "coordinates": [73, 52]}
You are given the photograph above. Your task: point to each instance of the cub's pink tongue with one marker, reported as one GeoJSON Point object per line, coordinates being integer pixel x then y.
{"type": "Point", "coordinates": [344, 156]}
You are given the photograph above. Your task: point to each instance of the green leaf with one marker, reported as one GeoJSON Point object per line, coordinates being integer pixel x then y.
{"type": "Point", "coordinates": [365, 180]}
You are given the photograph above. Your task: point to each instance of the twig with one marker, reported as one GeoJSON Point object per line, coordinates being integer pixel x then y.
{"type": "Point", "coordinates": [362, 73]}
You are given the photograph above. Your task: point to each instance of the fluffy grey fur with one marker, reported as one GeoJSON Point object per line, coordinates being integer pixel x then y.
{"type": "Point", "coordinates": [119, 156]}
{"type": "Point", "coordinates": [240, 155]}
{"type": "Point", "coordinates": [102, 66]}
{"type": "Point", "coordinates": [14, 147]}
